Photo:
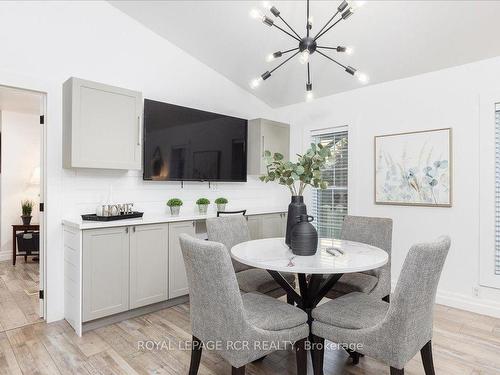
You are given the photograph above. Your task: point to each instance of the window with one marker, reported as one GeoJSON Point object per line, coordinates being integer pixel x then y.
{"type": "Point", "coordinates": [497, 189]}
{"type": "Point", "coordinates": [329, 206]}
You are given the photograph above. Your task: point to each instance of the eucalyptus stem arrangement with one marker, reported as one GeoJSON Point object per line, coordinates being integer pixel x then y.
{"type": "Point", "coordinates": [305, 172]}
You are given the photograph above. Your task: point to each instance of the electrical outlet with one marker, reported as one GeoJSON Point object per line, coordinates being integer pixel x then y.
{"type": "Point", "coordinates": [475, 290]}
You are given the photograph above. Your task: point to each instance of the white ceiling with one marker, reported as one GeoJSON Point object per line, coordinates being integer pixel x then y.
{"type": "Point", "coordinates": [17, 100]}
{"type": "Point", "coordinates": [392, 39]}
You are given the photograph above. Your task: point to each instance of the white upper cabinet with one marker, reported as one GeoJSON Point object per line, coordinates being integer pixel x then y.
{"type": "Point", "coordinates": [102, 126]}
{"type": "Point", "coordinates": [266, 135]}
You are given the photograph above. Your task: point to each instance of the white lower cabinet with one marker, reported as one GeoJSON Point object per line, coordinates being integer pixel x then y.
{"type": "Point", "coordinates": [177, 279]}
{"type": "Point", "coordinates": [106, 272]}
{"type": "Point", "coordinates": [128, 267]}
{"type": "Point", "coordinates": [148, 264]}
{"type": "Point", "coordinates": [267, 226]}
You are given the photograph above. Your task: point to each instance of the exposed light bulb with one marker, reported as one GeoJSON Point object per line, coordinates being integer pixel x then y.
{"type": "Point", "coordinates": [267, 5]}
{"type": "Point", "coordinates": [358, 4]}
{"type": "Point", "coordinates": [310, 21]}
{"type": "Point", "coordinates": [362, 77]}
{"type": "Point", "coordinates": [270, 57]}
{"type": "Point", "coordinates": [304, 57]}
{"type": "Point", "coordinates": [349, 50]}
{"type": "Point", "coordinates": [309, 96]}
{"type": "Point", "coordinates": [256, 14]}
{"type": "Point", "coordinates": [254, 83]}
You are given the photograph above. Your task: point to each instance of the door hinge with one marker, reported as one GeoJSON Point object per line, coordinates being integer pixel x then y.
{"type": "Point", "coordinates": [42, 119]}
{"type": "Point", "coordinates": [40, 294]}
{"type": "Point", "coordinates": [42, 207]}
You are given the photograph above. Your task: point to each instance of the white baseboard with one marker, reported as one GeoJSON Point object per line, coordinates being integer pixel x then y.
{"type": "Point", "coordinates": [468, 303]}
{"type": "Point", "coordinates": [473, 304]}
{"type": "Point", "coordinates": [5, 255]}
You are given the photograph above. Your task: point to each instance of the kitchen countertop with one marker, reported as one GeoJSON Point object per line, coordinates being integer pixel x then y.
{"type": "Point", "coordinates": [77, 222]}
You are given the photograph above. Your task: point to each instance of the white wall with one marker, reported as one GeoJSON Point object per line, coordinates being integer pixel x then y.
{"type": "Point", "coordinates": [44, 43]}
{"type": "Point", "coordinates": [20, 156]}
{"type": "Point", "coordinates": [447, 98]}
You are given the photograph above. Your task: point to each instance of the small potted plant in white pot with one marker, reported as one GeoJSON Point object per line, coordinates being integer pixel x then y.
{"type": "Point", "coordinates": [27, 208]}
{"type": "Point", "coordinates": [203, 205]}
{"type": "Point", "coordinates": [175, 206]}
{"type": "Point", "coordinates": [221, 203]}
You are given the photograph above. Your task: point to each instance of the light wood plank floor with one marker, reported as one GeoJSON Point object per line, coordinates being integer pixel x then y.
{"type": "Point", "coordinates": [19, 304]}
{"type": "Point", "coordinates": [464, 343]}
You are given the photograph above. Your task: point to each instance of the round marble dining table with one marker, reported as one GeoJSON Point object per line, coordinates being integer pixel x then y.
{"type": "Point", "coordinates": [333, 258]}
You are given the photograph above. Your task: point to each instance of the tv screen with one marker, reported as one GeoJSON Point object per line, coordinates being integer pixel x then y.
{"type": "Point", "coordinates": [185, 144]}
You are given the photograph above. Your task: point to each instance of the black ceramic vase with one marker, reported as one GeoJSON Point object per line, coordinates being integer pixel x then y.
{"type": "Point", "coordinates": [295, 209]}
{"type": "Point", "coordinates": [304, 237]}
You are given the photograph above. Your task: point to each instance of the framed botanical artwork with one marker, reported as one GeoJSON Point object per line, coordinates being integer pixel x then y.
{"type": "Point", "coordinates": [414, 169]}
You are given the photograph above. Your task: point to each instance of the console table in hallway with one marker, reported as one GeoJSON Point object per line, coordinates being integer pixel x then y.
{"type": "Point", "coordinates": [20, 228]}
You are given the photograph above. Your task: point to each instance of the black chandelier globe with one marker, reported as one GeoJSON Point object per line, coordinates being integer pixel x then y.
{"type": "Point", "coordinates": [308, 45]}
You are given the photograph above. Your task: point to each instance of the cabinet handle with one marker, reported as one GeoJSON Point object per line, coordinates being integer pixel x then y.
{"type": "Point", "coordinates": [194, 224]}
{"type": "Point", "coordinates": [133, 229]}
{"type": "Point", "coordinates": [138, 130]}
{"type": "Point", "coordinates": [263, 143]}
{"type": "Point", "coordinates": [126, 230]}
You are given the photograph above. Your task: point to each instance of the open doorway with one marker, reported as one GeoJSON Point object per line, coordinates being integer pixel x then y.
{"type": "Point", "coordinates": [21, 207]}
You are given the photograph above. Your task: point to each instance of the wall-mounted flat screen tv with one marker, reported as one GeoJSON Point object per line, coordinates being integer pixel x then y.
{"type": "Point", "coordinates": [185, 144]}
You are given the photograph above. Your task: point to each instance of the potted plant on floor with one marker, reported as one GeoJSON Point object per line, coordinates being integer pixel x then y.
{"type": "Point", "coordinates": [296, 176]}
{"type": "Point", "coordinates": [221, 203]}
{"type": "Point", "coordinates": [27, 209]}
{"type": "Point", "coordinates": [203, 205]}
{"type": "Point", "coordinates": [175, 206]}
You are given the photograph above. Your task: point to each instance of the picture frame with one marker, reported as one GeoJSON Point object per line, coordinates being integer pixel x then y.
{"type": "Point", "coordinates": [414, 168]}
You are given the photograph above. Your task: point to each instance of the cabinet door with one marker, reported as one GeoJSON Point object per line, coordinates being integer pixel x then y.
{"type": "Point", "coordinates": [272, 225]}
{"type": "Point", "coordinates": [275, 138]}
{"type": "Point", "coordinates": [177, 280]}
{"type": "Point", "coordinates": [255, 226]}
{"type": "Point", "coordinates": [105, 272]}
{"type": "Point", "coordinates": [102, 126]}
{"type": "Point", "coordinates": [148, 264]}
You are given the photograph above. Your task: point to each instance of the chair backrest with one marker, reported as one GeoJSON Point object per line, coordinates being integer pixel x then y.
{"type": "Point", "coordinates": [216, 306]}
{"type": "Point", "coordinates": [374, 231]}
{"type": "Point", "coordinates": [411, 310]}
{"type": "Point", "coordinates": [224, 213]}
{"type": "Point", "coordinates": [230, 231]}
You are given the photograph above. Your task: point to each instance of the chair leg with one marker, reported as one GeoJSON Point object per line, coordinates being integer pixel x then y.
{"type": "Point", "coordinates": [355, 357]}
{"type": "Point", "coordinates": [395, 371]}
{"type": "Point", "coordinates": [426, 353]}
{"type": "Point", "coordinates": [318, 354]}
{"type": "Point", "coordinates": [290, 300]}
{"type": "Point", "coordinates": [238, 371]}
{"type": "Point", "coordinates": [387, 298]}
{"type": "Point", "coordinates": [301, 357]}
{"type": "Point", "coordinates": [197, 348]}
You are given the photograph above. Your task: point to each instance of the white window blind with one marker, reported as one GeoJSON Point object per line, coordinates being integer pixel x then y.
{"type": "Point", "coordinates": [497, 190]}
{"type": "Point", "coordinates": [329, 206]}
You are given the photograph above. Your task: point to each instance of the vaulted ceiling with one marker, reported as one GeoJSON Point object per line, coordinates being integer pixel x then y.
{"type": "Point", "coordinates": [392, 40]}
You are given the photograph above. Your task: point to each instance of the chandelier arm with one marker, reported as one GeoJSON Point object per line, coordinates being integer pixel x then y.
{"type": "Point", "coordinates": [329, 58]}
{"type": "Point", "coordinates": [286, 32]}
{"type": "Point", "coordinates": [324, 32]}
{"type": "Point", "coordinates": [308, 74]}
{"type": "Point", "coordinates": [284, 62]}
{"type": "Point", "coordinates": [289, 50]}
{"type": "Point", "coordinates": [290, 27]}
{"type": "Point", "coordinates": [325, 47]}
{"type": "Point", "coordinates": [326, 24]}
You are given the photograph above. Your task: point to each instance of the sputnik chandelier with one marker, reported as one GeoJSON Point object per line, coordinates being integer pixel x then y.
{"type": "Point", "coordinates": [308, 44]}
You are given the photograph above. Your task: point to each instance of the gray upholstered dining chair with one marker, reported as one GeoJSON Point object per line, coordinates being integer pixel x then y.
{"type": "Point", "coordinates": [240, 328]}
{"type": "Point", "coordinates": [232, 230]}
{"type": "Point", "coordinates": [390, 332]}
{"type": "Point", "coordinates": [375, 231]}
